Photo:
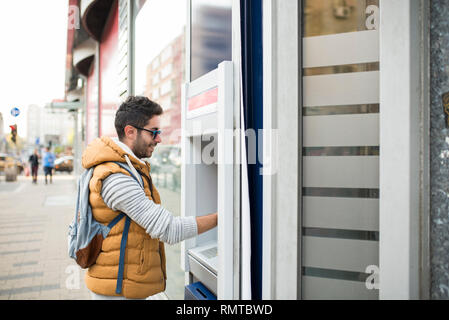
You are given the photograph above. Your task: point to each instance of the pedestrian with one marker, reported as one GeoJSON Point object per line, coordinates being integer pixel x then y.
{"type": "Point", "coordinates": [113, 190]}
{"type": "Point", "coordinates": [49, 164]}
{"type": "Point", "coordinates": [34, 162]}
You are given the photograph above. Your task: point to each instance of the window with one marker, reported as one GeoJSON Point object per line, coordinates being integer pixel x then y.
{"type": "Point", "coordinates": [166, 54]}
{"type": "Point", "coordinates": [340, 196]}
{"type": "Point", "coordinates": [159, 65]}
{"type": "Point", "coordinates": [166, 71]}
{"type": "Point", "coordinates": [211, 35]}
{"type": "Point", "coordinates": [155, 95]}
{"type": "Point", "coordinates": [156, 79]}
{"type": "Point", "coordinates": [155, 64]}
{"type": "Point", "coordinates": [166, 87]}
{"type": "Point", "coordinates": [166, 103]}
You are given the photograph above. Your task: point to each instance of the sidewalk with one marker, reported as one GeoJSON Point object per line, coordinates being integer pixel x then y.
{"type": "Point", "coordinates": [34, 263]}
{"type": "Point", "coordinates": [33, 249]}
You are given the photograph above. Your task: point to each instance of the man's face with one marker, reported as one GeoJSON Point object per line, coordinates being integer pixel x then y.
{"type": "Point", "coordinates": [144, 144]}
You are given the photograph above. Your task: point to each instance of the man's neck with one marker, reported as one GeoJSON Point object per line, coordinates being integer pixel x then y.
{"type": "Point", "coordinates": [126, 142]}
{"type": "Point", "coordinates": [126, 147]}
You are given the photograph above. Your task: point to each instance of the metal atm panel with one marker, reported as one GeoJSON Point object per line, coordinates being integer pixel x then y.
{"type": "Point", "coordinates": [207, 177]}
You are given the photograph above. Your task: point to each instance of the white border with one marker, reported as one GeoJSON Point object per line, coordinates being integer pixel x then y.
{"type": "Point", "coordinates": [401, 132]}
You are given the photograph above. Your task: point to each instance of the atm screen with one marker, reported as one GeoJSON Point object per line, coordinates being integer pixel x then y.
{"type": "Point", "coordinates": [211, 35]}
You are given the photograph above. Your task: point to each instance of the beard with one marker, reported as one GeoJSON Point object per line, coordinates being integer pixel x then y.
{"type": "Point", "coordinates": [141, 148]}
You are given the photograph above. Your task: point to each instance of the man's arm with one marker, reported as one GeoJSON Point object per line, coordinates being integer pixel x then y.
{"type": "Point", "coordinates": [205, 223]}
{"type": "Point", "coordinates": [122, 193]}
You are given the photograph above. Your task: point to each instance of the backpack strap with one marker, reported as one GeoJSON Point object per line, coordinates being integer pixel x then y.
{"type": "Point", "coordinates": [121, 265]}
{"type": "Point", "coordinates": [119, 217]}
{"type": "Point", "coordinates": [116, 220]}
{"type": "Point", "coordinates": [126, 167]}
{"type": "Point", "coordinates": [149, 179]}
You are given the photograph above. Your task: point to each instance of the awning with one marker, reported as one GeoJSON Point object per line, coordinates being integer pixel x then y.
{"type": "Point", "coordinates": [94, 16]}
{"type": "Point", "coordinates": [83, 55]}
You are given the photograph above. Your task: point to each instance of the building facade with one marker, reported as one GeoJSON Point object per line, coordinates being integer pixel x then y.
{"type": "Point", "coordinates": [349, 94]}
{"type": "Point", "coordinates": [2, 135]}
{"type": "Point", "coordinates": [45, 125]}
{"type": "Point", "coordinates": [165, 76]}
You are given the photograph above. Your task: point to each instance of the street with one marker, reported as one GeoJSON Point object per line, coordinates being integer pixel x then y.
{"type": "Point", "coordinates": [34, 263]}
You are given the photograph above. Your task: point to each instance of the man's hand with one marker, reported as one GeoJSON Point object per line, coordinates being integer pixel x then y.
{"type": "Point", "coordinates": [205, 223]}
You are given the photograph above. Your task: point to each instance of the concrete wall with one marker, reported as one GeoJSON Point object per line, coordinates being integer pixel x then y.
{"type": "Point", "coordinates": [439, 150]}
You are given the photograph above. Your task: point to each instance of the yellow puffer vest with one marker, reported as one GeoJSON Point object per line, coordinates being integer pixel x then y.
{"type": "Point", "coordinates": [144, 271]}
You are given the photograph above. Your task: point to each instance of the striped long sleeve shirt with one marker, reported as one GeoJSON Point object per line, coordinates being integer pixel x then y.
{"type": "Point", "coordinates": [122, 193]}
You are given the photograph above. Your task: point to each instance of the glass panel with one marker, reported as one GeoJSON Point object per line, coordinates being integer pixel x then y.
{"type": "Point", "coordinates": [159, 74]}
{"type": "Point", "coordinates": [211, 35]}
{"type": "Point", "coordinates": [340, 196]}
{"type": "Point", "coordinates": [323, 17]}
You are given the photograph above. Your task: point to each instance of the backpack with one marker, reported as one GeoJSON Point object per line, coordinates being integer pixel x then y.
{"type": "Point", "coordinates": [86, 235]}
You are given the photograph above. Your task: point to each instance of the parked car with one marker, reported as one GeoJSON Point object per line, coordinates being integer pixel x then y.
{"type": "Point", "coordinates": [165, 159]}
{"type": "Point", "coordinates": [64, 164]}
{"type": "Point", "coordinates": [175, 156]}
{"type": "Point", "coordinates": [3, 160]}
{"type": "Point", "coordinates": [10, 167]}
{"type": "Point", "coordinates": [20, 165]}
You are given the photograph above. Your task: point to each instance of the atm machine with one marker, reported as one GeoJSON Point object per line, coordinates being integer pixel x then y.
{"type": "Point", "coordinates": [207, 178]}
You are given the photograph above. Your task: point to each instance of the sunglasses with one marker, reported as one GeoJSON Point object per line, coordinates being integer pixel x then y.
{"type": "Point", "coordinates": [155, 133]}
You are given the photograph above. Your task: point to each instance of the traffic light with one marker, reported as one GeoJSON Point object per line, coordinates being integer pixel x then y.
{"type": "Point", "coordinates": [13, 133]}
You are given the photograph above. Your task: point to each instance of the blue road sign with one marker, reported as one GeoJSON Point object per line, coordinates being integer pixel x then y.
{"type": "Point", "coordinates": [15, 112]}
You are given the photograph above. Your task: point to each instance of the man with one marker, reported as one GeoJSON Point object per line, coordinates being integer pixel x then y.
{"type": "Point", "coordinates": [34, 162]}
{"type": "Point", "coordinates": [49, 164]}
{"type": "Point", "coordinates": [113, 190]}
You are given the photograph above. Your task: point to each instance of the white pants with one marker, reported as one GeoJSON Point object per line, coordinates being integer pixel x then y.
{"type": "Point", "coordinates": [96, 296]}
{"type": "Point", "coordinates": [159, 296]}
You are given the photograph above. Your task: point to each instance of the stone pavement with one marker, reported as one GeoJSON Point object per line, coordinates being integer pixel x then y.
{"type": "Point", "coordinates": [33, 240]}
{"type": "Point", "coordinates": [34, 263]}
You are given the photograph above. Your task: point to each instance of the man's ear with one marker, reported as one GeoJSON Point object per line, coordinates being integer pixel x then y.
{"type": "Point", "coordinates": [130, 132]}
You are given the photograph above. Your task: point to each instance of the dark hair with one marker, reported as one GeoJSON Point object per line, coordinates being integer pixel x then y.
{"type": "Point", "coordinates": [135, 111]}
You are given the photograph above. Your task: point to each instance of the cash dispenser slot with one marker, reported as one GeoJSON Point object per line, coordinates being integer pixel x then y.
{"type": "Point", "coordinates": [203, 258]}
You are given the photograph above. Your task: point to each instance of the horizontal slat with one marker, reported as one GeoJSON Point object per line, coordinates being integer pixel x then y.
{"type": "Point", "coordinates": [343, 172]}
{"type": "Point", "coordinates": [123, 70]}
{"type": "Point", "coordinates": [123, 57]}
{"type": "Point", "coordinates": [122, 87]}
{"type": "Point", "coordinates": [364, 193]}
{"type": "Point", "coordinates": [123, 8]}
{"type": "Point", "coordinates": [123, 62]}
{"type": "Point", "coordinates": [341, 109]}
{"type": "Point", "coordinates": [123, 20]}
{"type": "Point", "coordinates": [123, 48]}
{"type": "Point", "coordinates": [341, 89]}
{"type": "Point", "coordinates": [340, 254]}
{"type": "Point", "coordinates": [123, 31]}
{"type": "Point", "coordinates": [321, 288]}
{"type": "Point", "coordinates": [341, 213]}
{"type": "Point", "coordinates": [123, 36]}
{"type": "Point", "coordinates": [341, 130]}
{"type": "Point", "coordinates": [341, 151]}
{"type": "Point", "coordinates": [123, 4]}
{"type": "Point", "coordinates": [341, 49]}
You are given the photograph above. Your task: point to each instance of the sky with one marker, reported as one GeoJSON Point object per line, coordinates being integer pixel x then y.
{"type": "Point", "coordinates": [154, 16]}
{"type": "Point", "coordinates": [32, 56]}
